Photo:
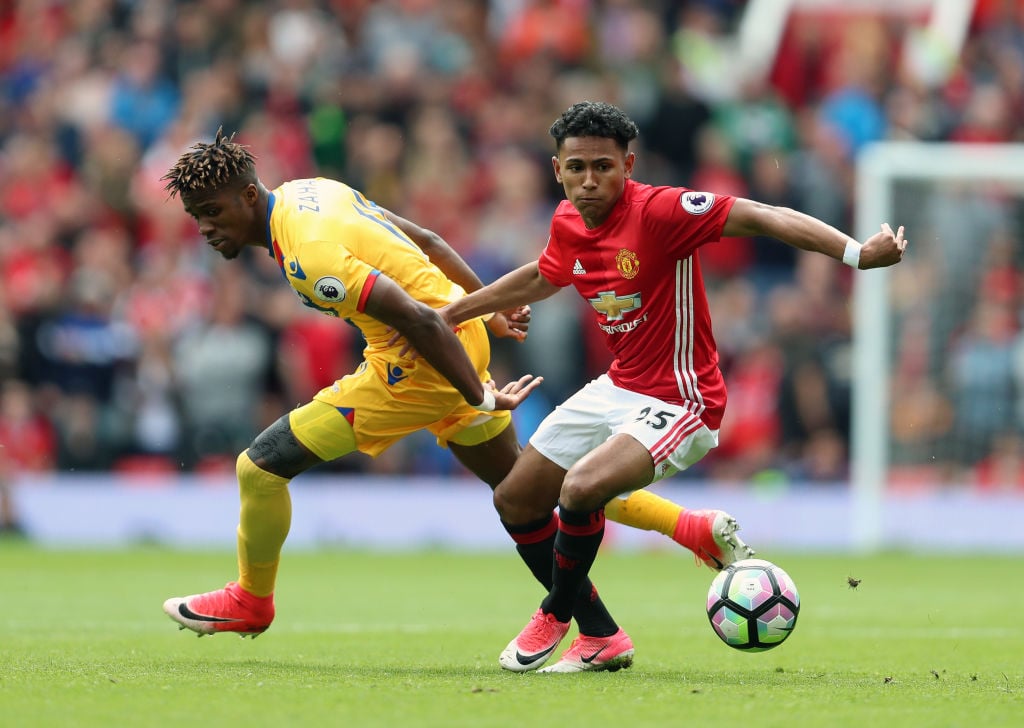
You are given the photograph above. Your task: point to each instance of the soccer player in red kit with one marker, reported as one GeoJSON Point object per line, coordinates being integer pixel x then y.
{"type": "Point", "coordinates": [630, 250]}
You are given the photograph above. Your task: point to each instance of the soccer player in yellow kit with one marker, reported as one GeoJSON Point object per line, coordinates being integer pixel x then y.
{"type": "Point", "coordinates": [351, 259]}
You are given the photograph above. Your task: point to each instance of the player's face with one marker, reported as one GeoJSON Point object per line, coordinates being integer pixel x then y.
{"type": "Point", "coordinates": [227, 218]}
{"type": "Point", "coordinates": [593, 172]}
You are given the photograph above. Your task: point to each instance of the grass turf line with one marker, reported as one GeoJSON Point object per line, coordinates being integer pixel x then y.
{"type": "Point", "coordinates": [369, 639]}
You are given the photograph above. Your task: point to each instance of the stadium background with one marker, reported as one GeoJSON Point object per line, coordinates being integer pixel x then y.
{"type": "Point", "coordinates": [135, 365]}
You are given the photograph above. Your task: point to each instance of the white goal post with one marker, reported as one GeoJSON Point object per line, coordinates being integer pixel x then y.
{"type": "Point", "coordinates": [880, 169]}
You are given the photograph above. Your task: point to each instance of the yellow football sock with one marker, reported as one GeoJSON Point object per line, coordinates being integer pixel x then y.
{"type": "Point", "coordinates": [646, 511]}
{"type": "Point", "coordinates": [264, 519]}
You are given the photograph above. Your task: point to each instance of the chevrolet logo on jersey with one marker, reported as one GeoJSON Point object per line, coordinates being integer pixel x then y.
{"type": "Point", "coordinates": [613, 306]}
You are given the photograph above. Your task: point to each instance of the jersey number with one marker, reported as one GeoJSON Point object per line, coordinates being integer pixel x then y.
{"type": "Point", "coordinates": [657, 420]}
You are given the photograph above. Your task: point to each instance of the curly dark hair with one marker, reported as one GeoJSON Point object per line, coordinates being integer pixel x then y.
{"type": "Point", "coordinates": [594, 118]}
{"type": "Point", "coordinates": [210, 166]}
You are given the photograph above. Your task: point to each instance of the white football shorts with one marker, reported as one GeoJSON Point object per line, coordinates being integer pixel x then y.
{"type": "Point", "coordinates": [675, 437]}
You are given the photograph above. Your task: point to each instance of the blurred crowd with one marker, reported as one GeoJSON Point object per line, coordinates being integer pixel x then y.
{"type": "Point", "coordinates": [126, 345]}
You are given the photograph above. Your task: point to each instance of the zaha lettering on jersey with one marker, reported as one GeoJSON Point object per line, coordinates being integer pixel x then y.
{"type": "Point", "coordinates": [307, 197]}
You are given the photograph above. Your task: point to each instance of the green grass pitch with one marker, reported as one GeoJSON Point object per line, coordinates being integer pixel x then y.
{"type": "Point", "coordinates": [370, 639]}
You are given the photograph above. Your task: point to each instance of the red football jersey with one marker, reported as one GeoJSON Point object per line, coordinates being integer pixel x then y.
{"type": "Point", "coordinates": [640, 273]}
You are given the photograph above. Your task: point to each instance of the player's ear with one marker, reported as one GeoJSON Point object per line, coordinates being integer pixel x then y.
{"type": "Point", "coordinates": [557, 166]}
{"type": "Point", "coordinates": [628, 164]}
{"type": "Point", "coordinates": [250, 193]}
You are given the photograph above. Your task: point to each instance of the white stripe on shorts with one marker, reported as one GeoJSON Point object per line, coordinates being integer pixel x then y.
{"type": "Point", "coordinates": [679, 432]}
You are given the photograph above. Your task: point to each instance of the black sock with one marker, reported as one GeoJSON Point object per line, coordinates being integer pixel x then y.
{"type": "Point", "coordinates": [535, 543]}
{"type": "Point", "coordinates": [591, 615]}
{"type": "Point", "coordinates": [576, 543]}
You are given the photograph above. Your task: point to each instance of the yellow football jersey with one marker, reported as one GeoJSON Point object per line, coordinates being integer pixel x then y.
{"type": "Point", "coordinates": [331, 244]}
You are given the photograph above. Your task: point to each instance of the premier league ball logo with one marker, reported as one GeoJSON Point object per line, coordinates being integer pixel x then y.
{"type": "Point", "coordinates": [329, 289]}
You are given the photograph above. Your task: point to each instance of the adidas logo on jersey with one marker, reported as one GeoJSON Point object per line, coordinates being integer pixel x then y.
{"type": "Point", "coordinates": [577, 268]}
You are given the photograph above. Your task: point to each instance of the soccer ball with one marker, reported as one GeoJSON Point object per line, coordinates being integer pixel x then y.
{"type": "Point", "coordinates": [753, 605]}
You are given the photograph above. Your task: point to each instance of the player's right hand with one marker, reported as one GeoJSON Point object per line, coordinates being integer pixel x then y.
{"type": "Point", "coordinates": [514, 393]}
{"type": "Point", "coordinates": [883, 249]}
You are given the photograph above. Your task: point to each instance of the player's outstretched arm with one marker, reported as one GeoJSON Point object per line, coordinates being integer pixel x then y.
{"type": "Point", "coordinates": [802, 231]}
{"type": "Point", "coordinates": [435, 341]}
{"type": "Point", "coordinates": [516, 289]}
{"type": "Point", "coordinates": [506, 323]}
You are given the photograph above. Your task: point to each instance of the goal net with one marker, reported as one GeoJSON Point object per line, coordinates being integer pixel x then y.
{"type": "Point", "coordinates": [938, 392]}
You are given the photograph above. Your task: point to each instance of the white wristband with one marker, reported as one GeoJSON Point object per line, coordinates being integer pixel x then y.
{"type": "Point", "coordinates": [488, 404]}
{"type": "Point", "coordinates": [851, 256]}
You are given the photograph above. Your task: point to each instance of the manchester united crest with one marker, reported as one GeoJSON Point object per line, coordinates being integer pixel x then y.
{"type": "Point", "coordinates": [627, 263]}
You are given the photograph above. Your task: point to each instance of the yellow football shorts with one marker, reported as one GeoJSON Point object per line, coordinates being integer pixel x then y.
{"type": "Point", "coordinates": [387, 398]}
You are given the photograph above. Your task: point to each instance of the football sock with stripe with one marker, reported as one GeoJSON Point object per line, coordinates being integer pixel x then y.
{"type": "Point", "coordinates": [646, 511]}
{"type": "Point", "coordinates": [592, 616]}
{"type": "Point", "coordinates": [264, 519]}
{"type": "Point", "coordinates": [576, 543]}
{"type": "Point", "coordinates": [535, 543]}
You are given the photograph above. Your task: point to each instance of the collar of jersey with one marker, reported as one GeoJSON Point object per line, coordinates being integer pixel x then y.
{"type": "Point", "coordinates": [270, 237]}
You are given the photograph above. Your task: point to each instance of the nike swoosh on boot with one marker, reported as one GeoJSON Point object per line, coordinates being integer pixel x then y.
{"type": "Point", "coordinates": [530, 659]}
{"type": "Point", "coordinates": [187, 613]}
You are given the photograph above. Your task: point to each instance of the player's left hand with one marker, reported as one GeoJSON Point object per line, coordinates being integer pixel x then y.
{"type": "Point", "coordinates": [513, 324]}
{"type": "Point", "coordinates": [406, 352]}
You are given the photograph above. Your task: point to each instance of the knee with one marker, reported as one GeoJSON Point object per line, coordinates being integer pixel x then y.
{"type": "Point", "coordinates": [582, 492]}
{"type": "Point", "coordinates": [277, 451]}
{"type": "Point", "coordinates": [516, 508]}
{"type": "Point", "coordinates": [248, 471]}
{"type": "Point", "coordinates": [501, 503]}
{"type": "Point", "coordinates": [575, 492]}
